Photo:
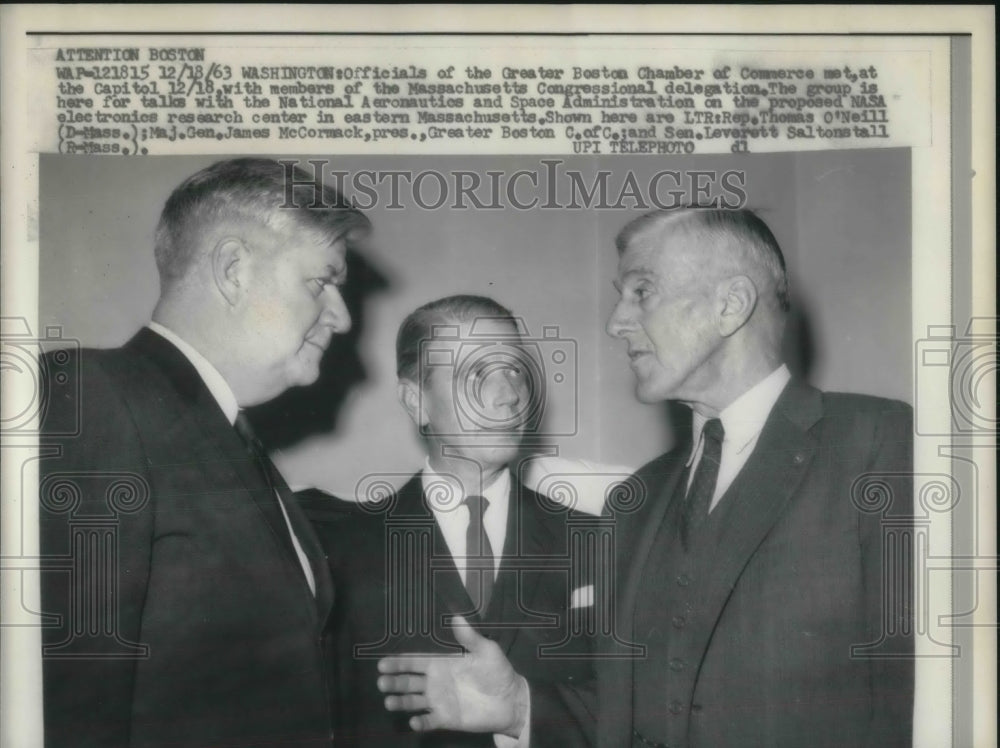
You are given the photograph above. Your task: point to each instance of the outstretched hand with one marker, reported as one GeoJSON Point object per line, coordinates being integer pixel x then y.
{"type": "Point", "coordinates": [478, 692]}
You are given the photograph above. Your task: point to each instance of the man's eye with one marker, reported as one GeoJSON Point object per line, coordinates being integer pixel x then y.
{"type": "Point", "coordinates": [319, 285]}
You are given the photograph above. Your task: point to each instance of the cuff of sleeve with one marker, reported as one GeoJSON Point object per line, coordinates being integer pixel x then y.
{"type": "Point", "coordinates": [522, 740]}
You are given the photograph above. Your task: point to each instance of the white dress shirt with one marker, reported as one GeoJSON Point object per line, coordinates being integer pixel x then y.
{"type": "Point", "coordinates": [446, 499]}
{"type": "Point", "coordinates": [742, 422]}
{"type": "Point", "coordinates": [224, 396]}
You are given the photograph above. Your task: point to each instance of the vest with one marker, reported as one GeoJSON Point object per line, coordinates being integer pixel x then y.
{"type": "Point", "coordinates": [670, 621]}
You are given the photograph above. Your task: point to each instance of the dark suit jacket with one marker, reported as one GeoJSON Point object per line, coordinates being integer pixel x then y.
{"type": "Point", "coordinates": [764, 652]}
{"type": "Point", "coordinates": [529, 608]}
{"type": "Point", "coordinates": [184, 618]}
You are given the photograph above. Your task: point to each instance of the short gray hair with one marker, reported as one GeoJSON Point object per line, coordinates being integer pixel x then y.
{"type": "Point", "coordinates": [743, 229]}
{"type": "Point", "coordinates": [252, 190]}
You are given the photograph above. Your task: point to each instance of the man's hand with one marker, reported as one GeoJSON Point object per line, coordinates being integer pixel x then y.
{"type": "Point", "coordinates": [478, 692]}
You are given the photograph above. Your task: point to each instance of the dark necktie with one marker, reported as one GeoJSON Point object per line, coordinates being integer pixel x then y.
{"type": "Point", "coordinates": [699, 496]}
{"type": "Point", "coordinates": [479, 555]}
{"type": "Point", "coordinates": [270, 474]}
{"type": "Point", "coordinates": [255, 448]}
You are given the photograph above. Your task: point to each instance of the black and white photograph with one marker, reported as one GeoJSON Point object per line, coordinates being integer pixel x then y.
{"type": "Point", "coordinates": [414, 390]}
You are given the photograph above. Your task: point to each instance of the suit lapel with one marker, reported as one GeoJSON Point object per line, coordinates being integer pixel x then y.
{"type": "Point", "coordinates": [633, 553]}
{"type": "Point", "coordinates": [310, 545]}
{"type": "Point", "coordinates": [615, 674]}
{"type": "Point", "coordinates": [225, 449]}
{"type": "Point", "coordinates": [761, 493]}
{"type": "Point", "coordinates": [784, 448]}
{"type": "Point", "coordinates": [528, 537]}
{"type": "Point", "coordinates": [450, 595]}
{"type": "Point", "coordinates": [224, 452]}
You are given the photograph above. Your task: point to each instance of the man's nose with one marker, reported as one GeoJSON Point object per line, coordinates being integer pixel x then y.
{"type": "Point", "coordinates": [507, 393]}
{"type": "Point", "coordinates": [619, 322]}
{"type": "Point", "coordinates": [335, 313]}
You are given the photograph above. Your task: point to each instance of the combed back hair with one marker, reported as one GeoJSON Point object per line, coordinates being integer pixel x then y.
{"type": "Point", "coordinates": [255, 191]}
{"type": "Point", "coordinates": [419, 326]}
{"type": "Point", "coordinates": [741, 229]}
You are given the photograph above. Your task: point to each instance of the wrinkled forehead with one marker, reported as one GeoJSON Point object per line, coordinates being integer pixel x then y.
{"type": "Point", "coordinates": [681, 249]}
{"type": "Point", "coordinates": [481, 338]}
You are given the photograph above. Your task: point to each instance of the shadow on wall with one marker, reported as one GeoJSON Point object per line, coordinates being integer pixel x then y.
{"type": "Point", "coordinates": [798, 348]}
{"type": "Point", "coordinates": [302, 412]}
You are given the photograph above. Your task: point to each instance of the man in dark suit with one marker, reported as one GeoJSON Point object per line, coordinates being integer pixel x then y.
{"type": "Point", "coordinates": [461, 538]}
{"type": "Point", "coordinates": [188, 594]}
{"type": "Point", "coordinates": [755, 576]}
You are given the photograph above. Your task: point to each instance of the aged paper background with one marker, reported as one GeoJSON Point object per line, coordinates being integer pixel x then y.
{"type": "Point", "coordinates": [70, 221]}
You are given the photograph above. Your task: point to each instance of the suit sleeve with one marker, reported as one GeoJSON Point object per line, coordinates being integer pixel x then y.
{"type": "Point", "coordinates": [567, 713]}
{"type": "Point", "coordinates": [889, 582]}
{"type": "Point", "coordinates": [563, 715]}
{"type": "Point", "coordinates": [342, 534]}
{"type": "Point", "coordinates": [95, 538]}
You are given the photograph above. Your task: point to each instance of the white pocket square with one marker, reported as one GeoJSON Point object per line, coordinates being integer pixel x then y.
{"type": "Point", "coordinates": [582, 597]}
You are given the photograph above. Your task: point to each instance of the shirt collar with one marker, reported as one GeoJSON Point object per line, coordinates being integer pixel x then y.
{"type": "Point", "coordinates": [497, 493]}
{"type": "Point", "coordinates": [215, 382]}
{"type": "Point", "coordinates": [745, 416]}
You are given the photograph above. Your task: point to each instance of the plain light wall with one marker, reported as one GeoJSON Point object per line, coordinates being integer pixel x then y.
{"type": "Point", "coordinates": [842, 219]}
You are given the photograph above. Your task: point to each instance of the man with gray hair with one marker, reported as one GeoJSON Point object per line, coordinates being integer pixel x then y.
{"type": "Point", "coordinates": [755, 577]}
{"type": "Point", "coordinates": [199, 617]}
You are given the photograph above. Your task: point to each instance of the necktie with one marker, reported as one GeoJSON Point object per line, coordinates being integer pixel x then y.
{"type": "Point", "coordinates": [479, 553]}
{"type": "Point", "coordinates": [699, 496]}
{"type": "Point", "coordinates": [270, 474]}
{"type": "Point", "coordinates": [254, 447]}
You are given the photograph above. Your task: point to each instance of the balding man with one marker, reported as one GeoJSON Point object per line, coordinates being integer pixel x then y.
{"type": "Point", "coordinates": [754, 576]}
{"type": "Point", "coordinates": [194, 596]}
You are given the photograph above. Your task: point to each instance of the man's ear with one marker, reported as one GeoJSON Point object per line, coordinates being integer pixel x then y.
{"type": "Point", "coordinates": [408, 393]}
{"type": "Point", "coordinates": [229, 266]}
{"type": "Point", "coordinates": [737, 300]}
